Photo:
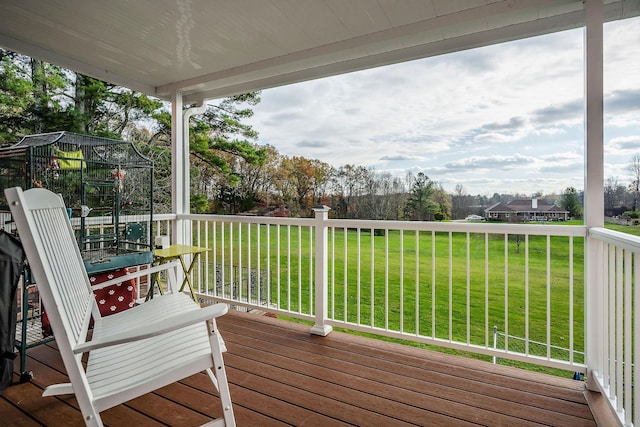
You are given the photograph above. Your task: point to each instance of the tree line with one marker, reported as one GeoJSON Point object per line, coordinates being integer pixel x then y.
{"type": "Point", "coordinates": [230, 172]}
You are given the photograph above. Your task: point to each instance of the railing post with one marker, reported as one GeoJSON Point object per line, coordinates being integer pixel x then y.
{"type": "Point", "coordinates": [321, 252]}
{"type": "Point", "coordinates": [595, 320]}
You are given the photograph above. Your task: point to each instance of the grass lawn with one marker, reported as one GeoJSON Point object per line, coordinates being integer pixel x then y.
{"type": "Point", "coordinates": [629, 229]}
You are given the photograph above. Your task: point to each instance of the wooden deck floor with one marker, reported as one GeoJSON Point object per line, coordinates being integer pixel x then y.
{"type": "Point", "coordinates": [281, 375]}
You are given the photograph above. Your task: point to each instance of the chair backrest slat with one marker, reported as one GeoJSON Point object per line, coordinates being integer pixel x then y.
{"type": "Point", "coordinates": [54, 259]}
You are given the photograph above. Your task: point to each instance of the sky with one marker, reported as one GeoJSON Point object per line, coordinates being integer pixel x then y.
{"type": "Point", "coordinates": [506, 118]}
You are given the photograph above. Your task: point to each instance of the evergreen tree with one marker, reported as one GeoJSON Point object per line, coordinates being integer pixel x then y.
{"type": "Point", "coordinates": [421, 201]}
{"type": "Point", "coordinates": [218, 141]}
{"type": "Point", "coordinates": [570, 201]}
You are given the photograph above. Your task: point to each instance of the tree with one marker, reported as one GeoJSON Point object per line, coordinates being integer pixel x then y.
{"type": "Point", "coordinates": [322, 175]}
{"type": "Point", "coordinates": [256, 179]}
{"type": "Point", "coordinates": [348, 185]}
{"type": "Point", "coordinates": [303, 183]}
{"type": "Point", "coordinates": [421, 204]}
{"type": "Point", "coordinates": [443, 200]}
{"type": "Point", "coordinates": [392, 197]}
{"type": "Point", "coordinates": [220, 145]}
{"type": "Point", "coordinates": [198, 203]}
{"type": "Point", "coordinates": [634, 167]}
{"type": "Point", "coordinates": [108, 110]}
{"type": "Point", "coordinates": [37, 97]}
{"type": "Point", "coordinates": [614, 193]}
{"type": "Point", "coordinates": [220, 130]}
{"type": "Point", "coordinates": [380, 199]}
{"type": "Point", "coordinates": [459, 202]}
{"type": "Point", "coordinates": [218, 140]}
{"type": "Point", "coordinates": [32, 97]}
{"type": "Point", "coordinates": [302, 176]}
{"type": "Point", "coordinates": [570, 201]}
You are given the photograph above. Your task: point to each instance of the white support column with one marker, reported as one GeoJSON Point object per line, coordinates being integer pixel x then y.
{"type": "Point", "coordinates": [186, 166]}
{"type": "Point", "coordinates": [594, 180]}
{"type": "Point", "coordinates": [321, 294]}
{"type": "Point", "coordinates": [180, 177]}
{"type": "Point", "coordinates": [179, 192]}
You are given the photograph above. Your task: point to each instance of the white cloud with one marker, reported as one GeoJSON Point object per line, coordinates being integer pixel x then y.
{"type": "Point", "coordinates": [491, 162]}
{"type": "Point", "coordinates": [401, 157]}
{"type": "Point", "coordinates": [506, 117]}
{"type": "Point", "coordinates": [624, 144]}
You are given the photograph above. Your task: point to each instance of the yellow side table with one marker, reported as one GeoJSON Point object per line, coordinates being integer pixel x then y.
{"type": "Point", "coordinates": [178, 252]}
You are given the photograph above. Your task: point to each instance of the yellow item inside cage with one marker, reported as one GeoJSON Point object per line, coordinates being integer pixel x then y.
{"type": "Point", "coordinates": [70, 160]}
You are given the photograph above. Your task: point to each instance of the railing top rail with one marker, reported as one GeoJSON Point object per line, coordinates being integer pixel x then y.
{"type": "Point", "coordinates": [454, 226]}
{"type": "Point", "coordinates": [106, 220]}
{"type": "Point", "coordinates": [164, 217]}
{"type": "Point", "coordinates": [623, 240]}
{"type": "Point", "coordinates": [249, 219]}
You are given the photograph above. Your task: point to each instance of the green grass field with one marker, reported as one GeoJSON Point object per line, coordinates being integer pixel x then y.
{"type": "Point", "coordinates": [634, 230]}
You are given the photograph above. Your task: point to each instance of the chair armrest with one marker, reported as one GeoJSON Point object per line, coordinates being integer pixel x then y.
{"type": "Point", "coordinates": [157, 327]}
{"type": "Point", "coordinates": [139, 273]}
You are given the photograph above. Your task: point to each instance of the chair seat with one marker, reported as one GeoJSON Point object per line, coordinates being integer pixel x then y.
{"type": "Point", "coordinates": [150, 363]}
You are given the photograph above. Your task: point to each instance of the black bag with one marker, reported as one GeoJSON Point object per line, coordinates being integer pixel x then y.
{"type": "Point", "coordinates": [12, 259]}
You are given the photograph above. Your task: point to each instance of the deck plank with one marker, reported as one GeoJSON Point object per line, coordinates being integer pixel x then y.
{"type": "Point", "coordinates": [449, 391]}
{"type": "Point", "coordinates": [14, 415]}
{"type": "Point", "coordinates": [549, 396]}
{"type": "Point", "coordinates": [264, 404]}
{"type": "Point", "coordinates": [281, 375]}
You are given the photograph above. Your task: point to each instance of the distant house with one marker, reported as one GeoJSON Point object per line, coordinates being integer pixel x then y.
{"type": "Point", "coordinates": [525, 210]}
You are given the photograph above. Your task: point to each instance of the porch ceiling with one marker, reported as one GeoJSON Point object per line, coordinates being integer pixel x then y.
{"type": "Point", "coordinates": [210, 49]}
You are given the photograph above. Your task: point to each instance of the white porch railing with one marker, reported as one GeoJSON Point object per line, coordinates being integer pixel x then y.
{"type": "Point", "coordinates": [446, 284]}
{"type": "Point", "coordinates": [615, 321]}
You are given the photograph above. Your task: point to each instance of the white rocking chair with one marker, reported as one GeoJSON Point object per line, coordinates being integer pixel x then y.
{"type": "Point", "coordinates": [130, 353]}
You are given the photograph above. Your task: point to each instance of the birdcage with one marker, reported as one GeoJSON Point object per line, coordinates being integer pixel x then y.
{"type": "Point", "coordinates": [106, 184]}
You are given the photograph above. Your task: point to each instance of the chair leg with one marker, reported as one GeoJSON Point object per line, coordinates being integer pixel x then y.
{"type": "Point", "coordinates": [92, 419]}
{"type": "Point", "coordinates": [220, 376]}
{"type": "Point", "coordinates": [57, 389]}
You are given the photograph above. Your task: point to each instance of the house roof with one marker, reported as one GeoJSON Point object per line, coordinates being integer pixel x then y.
{"type": "Point", "coordinates": [525, 205]}
{"type": "Point", "coordinates": [210, 49]}
{"type": "Point", "coordinates": [498, 207]}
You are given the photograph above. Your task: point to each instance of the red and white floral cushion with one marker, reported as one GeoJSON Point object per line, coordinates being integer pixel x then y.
{"type": "Point", "coordinates": [112, 299]}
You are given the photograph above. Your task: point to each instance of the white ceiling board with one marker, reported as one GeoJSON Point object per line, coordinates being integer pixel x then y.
{"type": "Point", "coordinates": [217, 48]}
{"type": "Point", "coordinates": [399, 13]}
{"type": "Point", "coordinates": [447, 7]}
